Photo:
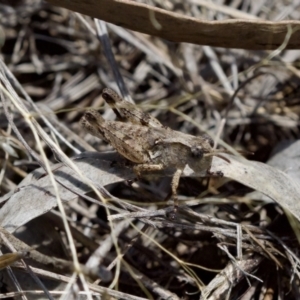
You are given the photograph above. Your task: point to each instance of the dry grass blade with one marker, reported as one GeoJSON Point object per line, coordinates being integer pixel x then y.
{"type": "Point", "coordinates": [24, 251]}
{"type": "Point", "coordinates": [218, 288]}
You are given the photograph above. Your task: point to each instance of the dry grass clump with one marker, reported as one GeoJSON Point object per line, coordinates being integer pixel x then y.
{"type": "Point", "coordinates": [81, 225]}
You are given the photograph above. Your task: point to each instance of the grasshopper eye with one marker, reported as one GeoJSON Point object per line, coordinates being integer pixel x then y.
{"type": "Point", "coordinates": [90, 116]}
{"type": "Point", "coordinates": [197, 152]}
{"type": "Point", "coordinates": [107, 97]}
{"type": "Point", "coordinates": [93, 117]}
{"type": "Point", "coordinates": [111, 97]}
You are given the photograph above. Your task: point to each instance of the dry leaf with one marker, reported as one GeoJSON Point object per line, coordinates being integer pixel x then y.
{"type": "Point", "coordinates": [35, 195]}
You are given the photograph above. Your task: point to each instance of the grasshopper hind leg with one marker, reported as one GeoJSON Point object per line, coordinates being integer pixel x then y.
{"type": "Point", "coordinates": [143, 168]}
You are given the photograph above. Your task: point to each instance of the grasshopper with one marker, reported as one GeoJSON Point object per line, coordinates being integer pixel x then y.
{"type": "Point", "coordinates": [151, 146]}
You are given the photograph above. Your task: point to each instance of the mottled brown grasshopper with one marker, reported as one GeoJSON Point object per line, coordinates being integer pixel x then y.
{"type": "Point", "coordinates": [143, 140]}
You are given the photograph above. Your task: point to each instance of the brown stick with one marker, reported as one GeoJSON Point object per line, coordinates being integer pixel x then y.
{"type": "Point", "coordinates": [244, 34]}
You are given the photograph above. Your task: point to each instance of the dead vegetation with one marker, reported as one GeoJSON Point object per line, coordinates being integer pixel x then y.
{"type": "Point", "coordinates": [80, 226]}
